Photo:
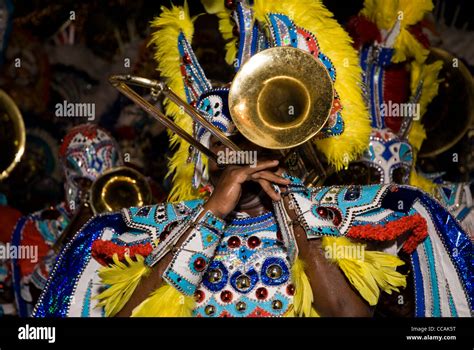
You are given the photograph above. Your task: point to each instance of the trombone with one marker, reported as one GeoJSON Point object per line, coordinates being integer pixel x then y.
{"type": "Point", "coordinates": [280, 99]}
{"type": "Point", "coordinates": [122, 82]}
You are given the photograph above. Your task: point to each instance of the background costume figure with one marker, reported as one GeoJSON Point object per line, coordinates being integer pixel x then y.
{"type": "Point", "coordinates": [400, 82]}
{"type": "Point", "coordinates": [233, 263]}
{"type": "Point", "coordinates": [86, 152]}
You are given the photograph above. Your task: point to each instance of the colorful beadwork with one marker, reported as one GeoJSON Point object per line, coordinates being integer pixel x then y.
{"type": "Point", "coordinates": [249, 279]}
{"type": "Point", "coordinates": [244, 265]}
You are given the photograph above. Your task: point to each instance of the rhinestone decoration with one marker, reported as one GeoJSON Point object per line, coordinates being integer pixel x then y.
{"type": "Point", "coordinates": [199, 264]}
{"type": "Point", "coordinates": [226, 296]}
{"type": "Point", "coordinates": [277, 304]}
{"type": "Point", "coordinates": [253, 242]}
{"type": "Point", "coordinates": [274, 271]}
{"type": "Point", "coordinates": [199, 296]}
{"type": "Point", "coordinates": [215, 276]}
{"type": "Point", "coordinates": [241, 306]}
{"type": "Point", "coordinates": [243, 282]}
{"type": "Point", "coordinates": [210, 310]}
{"type": "Point", "coordinates": [261, 293]}
{"type": "Point", "coordinates": [290, 289]}
{"type": "Point", "coordinates": [233, 242]}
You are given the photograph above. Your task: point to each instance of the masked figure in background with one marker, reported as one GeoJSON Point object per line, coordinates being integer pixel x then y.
{"type": "Point", "coordinates": [86, 152]}
{"type": "Point", "coordinates": [260, 243]}
{"type": "Point", "coordinates": [399, 86]}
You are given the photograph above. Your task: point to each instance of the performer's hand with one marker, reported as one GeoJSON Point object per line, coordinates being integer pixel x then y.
{"type": "Point", "coordinates": [228, 190]}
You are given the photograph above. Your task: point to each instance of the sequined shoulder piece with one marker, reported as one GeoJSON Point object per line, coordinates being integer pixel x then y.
{"type": "Point", "coordinates": [56, 299]}
{"type": "Point", "coordinates": [440, 251]}
{"type": "Point", "coordinates": [333, 210]}
{"type": "Point", "coordinates": [157, 219]}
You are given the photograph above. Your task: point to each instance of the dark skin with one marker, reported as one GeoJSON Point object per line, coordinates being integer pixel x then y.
{"type": "Point", "coordinates": [249, 190]}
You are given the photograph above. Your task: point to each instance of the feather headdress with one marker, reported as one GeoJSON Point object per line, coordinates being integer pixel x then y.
{"type": "Point", "coordinates": [309, 26]}
{"type": "Point", "coordinates": [305, 24]}
{"type": "Point", "coordinates": [389, 41]}
{"type": "Point", "coordinates": [178, 64]}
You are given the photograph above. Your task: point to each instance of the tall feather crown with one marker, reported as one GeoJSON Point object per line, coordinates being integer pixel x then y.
{"type": "Point", "coordinates": [393, 52]}
{"type": "Point", "coordinates": [260, 24]}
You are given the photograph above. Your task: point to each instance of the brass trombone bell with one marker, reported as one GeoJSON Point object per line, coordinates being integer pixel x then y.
{"type": "Point", "coordinates": [281, 98]}
{"type": "Point", "coordinates": [12, 135]}
{"type": "Point", "coordinates": [118, 188]}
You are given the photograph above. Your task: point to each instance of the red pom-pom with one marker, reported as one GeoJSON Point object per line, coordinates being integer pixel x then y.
{"type": "Point", "coordinates": [414, 224]}
{"type": "Point", "coordinates": [103, 251]}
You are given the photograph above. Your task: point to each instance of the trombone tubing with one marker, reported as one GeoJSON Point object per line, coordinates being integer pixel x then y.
{"type": "Point", "coordinates": [158, 115]}
{"type": "Point", "coordinates": [119, 81]}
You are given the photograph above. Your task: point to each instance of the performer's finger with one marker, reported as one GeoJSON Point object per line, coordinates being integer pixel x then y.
{"type": "Point", "coordinates": [268, 188]}
{"type": "Point", "coordinates": [272, 177]}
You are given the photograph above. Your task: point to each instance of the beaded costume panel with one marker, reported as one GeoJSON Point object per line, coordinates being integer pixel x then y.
{"type": "Point", "coordinates": [250, 273]}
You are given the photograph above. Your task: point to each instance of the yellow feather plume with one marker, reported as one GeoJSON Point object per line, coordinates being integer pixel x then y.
{"type": "Point", "coordinates": [422, 182]}
{"type": "Point", "coordinates": [213, 6]}
{"type": "Point", "coordinates": [416, 136]}
{"type": "Point", "coordinates": [166, 301]}
{"type": "Point", "coordinates": [122, 280]}
{"type": "Point", "coordinates": [385, 13]}
{"type": "Point", "coordinates": [336, 44]}
{"type": "Point", "coordinates": [369, 274]}
{"type": "Point", "coordinates": [168, 26]}
{"type": "Point", "coordinates": [303, 298]}
{"type": "Point", "coordinates": [226, 28]}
